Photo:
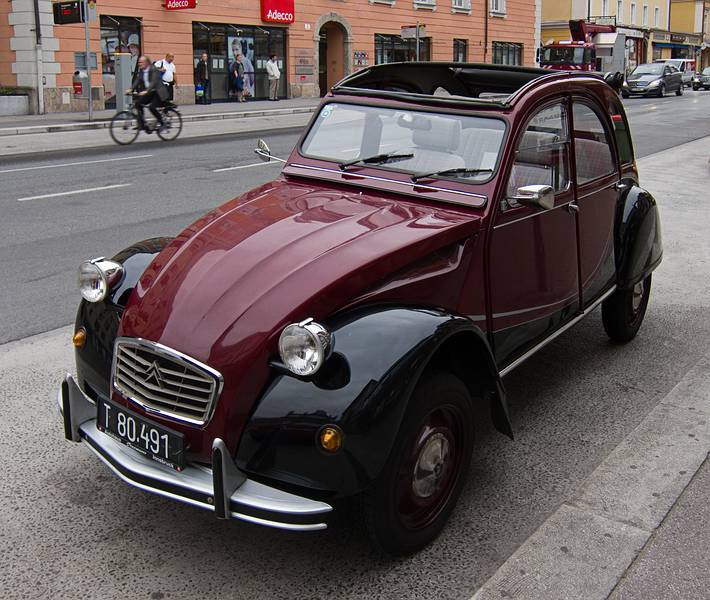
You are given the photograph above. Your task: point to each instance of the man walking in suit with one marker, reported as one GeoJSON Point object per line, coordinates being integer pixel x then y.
{"type": "Point", "coordinates": [202, 77]}
{"type": "Point", "coordinates": [148, 83]}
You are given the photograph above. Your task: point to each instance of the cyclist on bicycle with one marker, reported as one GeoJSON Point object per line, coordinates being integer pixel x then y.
{"type": "Point", "coordinates": [150, 91]}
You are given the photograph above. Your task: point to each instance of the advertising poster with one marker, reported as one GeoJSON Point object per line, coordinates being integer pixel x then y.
{"type": "Point", "coordinates": [243, 45]}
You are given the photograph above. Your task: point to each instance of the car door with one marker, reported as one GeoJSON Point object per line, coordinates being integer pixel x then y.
{"type": "Point", "coordinates": [533, 276]}
{"type": "Point", "coordinates": [596, 178]}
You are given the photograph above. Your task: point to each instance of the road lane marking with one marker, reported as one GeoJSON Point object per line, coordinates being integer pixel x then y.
{"type": "Point", "coordinates": [75, 164]}
{"type": "Point", "coordinates": [96, 189]}
{"type": "Point", "coordinates": [259, 164]}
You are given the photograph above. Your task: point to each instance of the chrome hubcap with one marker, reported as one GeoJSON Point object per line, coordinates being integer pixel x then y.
{"type": "Point", "coordinates": [637, 296]}
{"type": "Point", "coordinates": [430, 466]}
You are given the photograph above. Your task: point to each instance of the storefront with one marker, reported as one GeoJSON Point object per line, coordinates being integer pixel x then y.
{"type": "Point", "coordinates": [395, 48]}
{"type": "Point", "coordinates": [636, 44]}
{"type": "Point", "coordinates": [118, 34]}
{"type": "Point", "coordinates": [223, 42]}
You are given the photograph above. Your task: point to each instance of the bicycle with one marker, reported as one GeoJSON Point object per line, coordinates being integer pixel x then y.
{"type": "Point", "coordinates": [126, 125]}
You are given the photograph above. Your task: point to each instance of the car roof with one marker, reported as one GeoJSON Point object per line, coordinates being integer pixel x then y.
{"type": "Point", "coordinates": [446, 82]}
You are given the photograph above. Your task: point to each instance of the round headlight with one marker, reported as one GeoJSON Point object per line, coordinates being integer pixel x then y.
{"type": "Point", "coordinates": [96, 277]}
{"type": "Point", "coordinates": [304, 347]}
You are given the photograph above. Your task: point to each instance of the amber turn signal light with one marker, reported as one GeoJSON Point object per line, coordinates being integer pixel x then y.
{"type": "Point", "coordinates": [79, 338]}
{"type": "Point", "coordinates": [331, 439]}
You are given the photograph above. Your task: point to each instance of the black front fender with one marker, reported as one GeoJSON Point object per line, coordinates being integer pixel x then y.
{"type": "Point", "coordinates": [364, 388]}
{"type": "Point", "coordinates": [101, 319]}
{"type": "Point", "coordinates": [637, 237]}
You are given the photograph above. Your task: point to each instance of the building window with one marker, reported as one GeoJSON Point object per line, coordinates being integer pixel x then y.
{"type": "Point", "coordinates": [460, 50]}
{"type": "Point", "coordinates": [497, 7]}
{"type": "Point", "coordinates": [657, 52]}
{"type": "Point", "coordinates": [620, 11]}
{"type": "Point", "coordinates": [425, 4]}
{"type": "Point", "coordinates": [461, 5]}
{"type": "Point", "coordinates": [645, 14]}
{"type": "Point", "coordinates": [393, 48]}
{"type": "Point", "coordinates": [633, 13]}
{"type": "Point", "coordinates": [507, 53]}
{"type": "Point", "coordinates": [118, 34]}
{"type": "Point", "coordinates": [605, 8]}
{"type": "Point", "coordinates": [656, 17]}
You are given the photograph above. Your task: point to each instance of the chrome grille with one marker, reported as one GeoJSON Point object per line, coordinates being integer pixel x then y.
{"type": "Point", "coordinates": [165, 381]}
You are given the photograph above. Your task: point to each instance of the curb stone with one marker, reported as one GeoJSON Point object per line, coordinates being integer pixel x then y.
{"type": "Point", "coordinates": [104, 123]}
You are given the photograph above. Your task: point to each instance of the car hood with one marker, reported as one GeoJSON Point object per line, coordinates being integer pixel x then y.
{"type": "Point", "coordinates": [643, 78]}
{"type": "Point", "coordinates": [228, 284]}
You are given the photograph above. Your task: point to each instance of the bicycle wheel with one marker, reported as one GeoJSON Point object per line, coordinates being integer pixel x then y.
{"type": "Point", "coordinates": [172, 125]}
{"type": "Point", "coordinates": [124, 128]}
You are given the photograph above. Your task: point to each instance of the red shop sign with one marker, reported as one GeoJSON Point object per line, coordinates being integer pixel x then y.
{"type": "Point", "coordinates": [180, 4]}
{"type": "Point", "coordinates": [277, 11]}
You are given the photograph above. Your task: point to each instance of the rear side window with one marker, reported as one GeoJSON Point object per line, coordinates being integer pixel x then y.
{"type": "Point", "coordinates": [622, 135]}
{"type": "Point", "coordinates": [592, 152]}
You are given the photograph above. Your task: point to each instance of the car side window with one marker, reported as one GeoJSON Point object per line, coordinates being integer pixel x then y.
{"type": "Point", "coordinates": [542, 157]}
{"type": "Point", "coordinates": [592, 152]}
{"type": "Point", "coordinates": [667, 71]}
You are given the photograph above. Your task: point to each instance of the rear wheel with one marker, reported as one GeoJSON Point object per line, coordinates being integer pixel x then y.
{"type": "Point", "coordinates": [172, 125]}
{"type": "Point", "coordinates": [411, 502]}
{"type": "Point", "coordinates": [624, 310]}
{"type": "Point", "coordinates": [124, 128]}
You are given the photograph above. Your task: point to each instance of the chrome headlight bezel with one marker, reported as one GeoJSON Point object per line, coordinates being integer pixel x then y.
{"type": "Point", "coordinates": [96, 277]}
{"type": "Point", "coordinates": [315, 338]}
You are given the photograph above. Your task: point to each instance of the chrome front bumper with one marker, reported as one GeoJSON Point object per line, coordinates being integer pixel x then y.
{"type": "Point", "coordinates": [222, 489]}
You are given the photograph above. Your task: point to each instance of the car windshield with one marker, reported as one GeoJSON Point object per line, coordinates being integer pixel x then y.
{"type": "Point", "coordinates": [650, 69]}
{"type": "Point", "coordinates": [706, 71]}
{"type": "Point", "coordinates": [406, 140]}
{"type": "Point", "coordinates": [566, 56]}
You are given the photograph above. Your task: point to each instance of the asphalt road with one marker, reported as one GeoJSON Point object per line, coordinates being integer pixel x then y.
{"type": "Point", "coordinates": [43, 236]}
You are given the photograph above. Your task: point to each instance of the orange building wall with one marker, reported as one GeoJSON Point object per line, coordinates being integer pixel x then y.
{"type": "Point", "coordinates": [164, 30]}
{"type": "Point", "coordinates": [7, 56]}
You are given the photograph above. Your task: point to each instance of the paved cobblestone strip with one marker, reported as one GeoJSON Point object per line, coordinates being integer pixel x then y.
{"type": "Point", "coordinates": [585, 547]}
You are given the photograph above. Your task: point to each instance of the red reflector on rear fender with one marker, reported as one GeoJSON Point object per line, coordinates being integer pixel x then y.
{"type": "Point", "coordinates": [617, 118]}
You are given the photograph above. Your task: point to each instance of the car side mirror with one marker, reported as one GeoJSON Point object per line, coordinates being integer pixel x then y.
{"type": "Point", "coordinates": [539, 196]}
{"type": "Point", "coordinates": [264, 153]}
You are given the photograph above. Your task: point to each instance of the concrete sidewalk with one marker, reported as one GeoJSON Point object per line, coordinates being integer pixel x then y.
{"type": "Point", "coordinates": [638, 526]}
{"type": "Point", "coordinates": [63, 122]}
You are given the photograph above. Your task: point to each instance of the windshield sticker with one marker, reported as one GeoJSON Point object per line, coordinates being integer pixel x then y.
{"type": "Point", "coordinates": [327, 109]}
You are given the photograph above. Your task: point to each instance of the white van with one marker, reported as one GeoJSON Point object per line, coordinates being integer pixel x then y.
{"type": "Point", "coordinates": [686, 66]}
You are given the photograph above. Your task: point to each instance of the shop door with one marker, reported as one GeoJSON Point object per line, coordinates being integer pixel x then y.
{"type": "Point", "coordinates": [219, 64]}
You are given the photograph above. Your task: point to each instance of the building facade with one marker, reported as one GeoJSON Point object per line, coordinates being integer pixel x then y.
{"type": "Point", "coordinates": [644, 23]}
{"type": "Point", "coordinates": [317, 42]}
{"type": "Point", "coordinates": [690, 36]}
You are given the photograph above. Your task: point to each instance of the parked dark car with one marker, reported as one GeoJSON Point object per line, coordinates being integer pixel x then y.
{"type": "Point", "coordinates": [653, 79]}
{"type": "Point", "coordinates": [328, 335]}
{"type": "Point", "coordinates": [702, 80]}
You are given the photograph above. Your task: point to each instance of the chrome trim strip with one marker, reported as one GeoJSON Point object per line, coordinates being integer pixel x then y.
{"type": "Point", "coordinates": [396, 181]}
{"type": "Point", "coordinates": [178, 357]}
{"type": "Point", "coordinates": [535, 214]}
{"type": "Point", "coordinates": [520, 360]}
{"type": "Point", "coordinates": [596, 191]}
{"type": "Point", "coordinates": [511, 313]}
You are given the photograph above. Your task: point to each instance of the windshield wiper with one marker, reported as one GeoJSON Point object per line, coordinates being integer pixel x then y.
{"type": "Point", "coordinates": [377, 158]}
{"type": "Point", "coordinates": [459, 171]}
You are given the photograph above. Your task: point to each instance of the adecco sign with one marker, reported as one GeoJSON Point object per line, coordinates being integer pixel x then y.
{"type": "Point", "coordinates": [180, 4]}
{"type": "Point", "coordinates": [277, 11]}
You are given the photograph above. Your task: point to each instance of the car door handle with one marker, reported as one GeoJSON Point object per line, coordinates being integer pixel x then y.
{"type": "Point", "coordinates": [620, 186]}
{"type": "Point", "coordinates": [573, 208]}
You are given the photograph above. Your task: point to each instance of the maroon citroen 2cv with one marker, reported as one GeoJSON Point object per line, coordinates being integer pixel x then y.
{"type": "Point", "coordinates": [328, 334]}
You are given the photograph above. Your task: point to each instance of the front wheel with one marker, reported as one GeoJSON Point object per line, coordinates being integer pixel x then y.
{"type": "Point", "coordinates": [661, 91]}
{"type": "Point", "coordinates": [124, 128]}
{"type": "Point", "coordinates": [624, 310]}
{"type": "Point", "coordinates": [679, 91]}
{"type": "Point", "coordinates": [696, 88]}
{"type": "Point", "coordinates": [172, 125]}
{"type": "Point", "coordinates": [411, 502]}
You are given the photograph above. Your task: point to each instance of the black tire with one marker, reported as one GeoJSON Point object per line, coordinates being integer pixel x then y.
{"type": "Point", "coordinates": [124, 128]}
{"type": "Point", "coordinates": [696, 88]}
{"type": "Point", "coordinates": [173, 125]}
{"type": "Point", "coordinates": [408, 506]}
{"type": "Point", "coordinates": [624, 310]}
{"type": "Point", "coordinates": [661, 90]}
{"type": "Point", "coordinates": [679, 91]}
{"type": "Point", "coordinates": [625, 95]}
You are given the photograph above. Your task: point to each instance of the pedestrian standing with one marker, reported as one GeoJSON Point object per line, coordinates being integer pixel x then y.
{"type": "Point", "coordinates": [272, 70]}
{"type": "Point", "coordinates": [167, 68]}
{"type": "Point", "coordinates": [202, 79]}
